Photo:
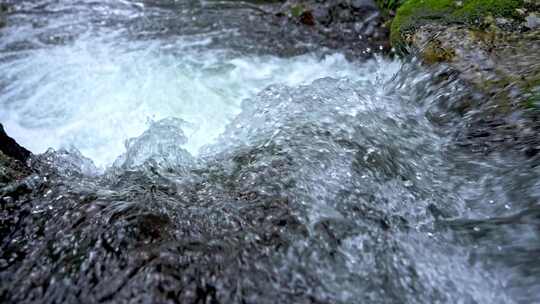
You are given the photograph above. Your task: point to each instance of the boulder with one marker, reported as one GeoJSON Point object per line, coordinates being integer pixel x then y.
{"type": "Point", "coordinates": [489, 44]}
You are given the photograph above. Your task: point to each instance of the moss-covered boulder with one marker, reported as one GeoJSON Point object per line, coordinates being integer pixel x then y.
{"type": "Point", "coordinates": [489, 42]}
{"type": "Point", "coordinates": [492, 45]}
{"type": "Point", "coordinates": [493, 59]}
{"type": "Point", "coordinates": [415, 13]}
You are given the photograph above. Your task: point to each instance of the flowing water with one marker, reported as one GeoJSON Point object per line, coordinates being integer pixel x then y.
{"type": "Point", "coordinates": [203, 155]}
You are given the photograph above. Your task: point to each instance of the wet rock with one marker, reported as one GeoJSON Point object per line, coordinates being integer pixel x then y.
{"type": "Point", "coordinates": [319, 212]}
{"type": "Point", "coordinates": [489, 58]}
{"type": "Point", "coordinates": [363, 4]}
{"type": "Point", "coordinates": [11, 170]}
{"type": "Point", "coordinates": [12, 159]}
{"type": "Point", "coordinates": [307, 18]}
{"type": "Point", "coordinates": [415, 13]}
{"type": "Point", "coordinates": [282, 28]}
{"type": "Point", "coordinates": [3, 9]}
{"type": "Point", "coordinates": [10, 147]}
{"type": "Point", "coordinates": [488, 44]}
{"type": "Point", "coordinates": [353, 26]}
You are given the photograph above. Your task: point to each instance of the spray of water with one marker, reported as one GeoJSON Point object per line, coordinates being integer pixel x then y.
{"type": "Point", "coordinates": [237, 177]}
{"type": "Point", "coordinates": [93, 94]}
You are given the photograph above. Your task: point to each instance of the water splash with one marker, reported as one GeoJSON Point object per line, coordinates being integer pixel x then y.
{"type": "Point", "coordinates": [246, 178]}
{"type": "Point", "coordinates": [93, 94]}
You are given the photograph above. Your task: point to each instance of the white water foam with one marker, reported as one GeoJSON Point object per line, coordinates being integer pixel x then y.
{"type": "Point", "coordinates": [95, 93]}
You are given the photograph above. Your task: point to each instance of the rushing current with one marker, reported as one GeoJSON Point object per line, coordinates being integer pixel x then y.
{"type": "Point", "coordinates": [196, 158]}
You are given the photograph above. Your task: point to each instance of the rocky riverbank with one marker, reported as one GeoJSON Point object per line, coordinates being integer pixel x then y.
{"type": "Point", "coordinates": [491, 45]}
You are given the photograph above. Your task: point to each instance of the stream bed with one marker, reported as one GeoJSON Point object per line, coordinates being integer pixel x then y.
{"type": "Point", "coordinates": [202, 152]}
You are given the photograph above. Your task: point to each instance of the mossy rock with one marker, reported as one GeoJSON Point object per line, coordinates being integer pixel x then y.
{"type": "Point", "coordinates": [497, 62]}
{"type": "Point", "coordinates": [533, 91]}
{"type": "Point", "coordinates": [415, 13]}
{"type": "Point", "coordinates": [533, 102]}
{"type": "Point", "coordinates": [388, 7]}
{"type": "Point", "coordinates": [436, 52]}
{"type": "Point", "coordinates": [390, 4]}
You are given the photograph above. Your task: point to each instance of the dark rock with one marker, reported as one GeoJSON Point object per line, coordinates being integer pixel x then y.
{"type": "Point", "coordinates": [12, 160]}
{"type": "Point", "coordinates": [353, 27]}
{"type": "Point", "coordinates": [11, 170]}
{"type": "Point", "coordinates": [3, 9]}
{"type": "Point", "coordinates": [307, 18]}
{"type": "Point", "coordinates": [11, 148]}
{"type": "Point", "coordinates": [322, 16]}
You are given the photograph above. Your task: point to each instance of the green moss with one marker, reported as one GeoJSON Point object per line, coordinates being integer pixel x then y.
{"type": "Point", "coordinates": [414, 13]}
{"type": "Point", "coordinates": [297, 10]}
{"type": "Point", "coordinates": [434, 52]}
{"type": "Point", "coordinates": [533, 102]}
{"type": "Point", "coordinates": [533, 88]}
{"type": "Point", "coordinates": [389, 4]}
{"type": "Point", "coordinates": [479, 8]}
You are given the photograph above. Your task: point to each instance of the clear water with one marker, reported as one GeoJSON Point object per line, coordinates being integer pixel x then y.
{"type": "Point", "coordinates": [197, 169]}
